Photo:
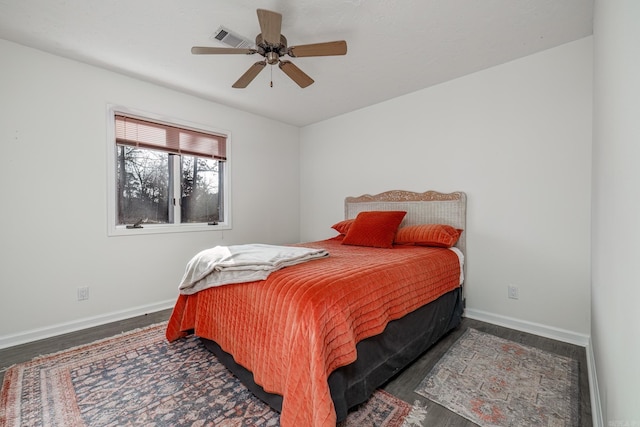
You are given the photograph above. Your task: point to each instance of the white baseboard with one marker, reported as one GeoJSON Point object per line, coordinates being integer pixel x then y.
{"type": "Point", "coordinates": [530, 327]}
{"type": "Point", "coordinates": [76, 325]}
{"type": "Point", "coordinates": [563, 335]}
{"type": "Point", "coordinates": [594, 391]}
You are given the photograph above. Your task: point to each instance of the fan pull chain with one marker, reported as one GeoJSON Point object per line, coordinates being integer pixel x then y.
{"type": "Point", "coordinates": [271, 69]}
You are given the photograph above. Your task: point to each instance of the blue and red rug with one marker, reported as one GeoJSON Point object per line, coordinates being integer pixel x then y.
{"type": "Point", "coordinates": [137, 378]}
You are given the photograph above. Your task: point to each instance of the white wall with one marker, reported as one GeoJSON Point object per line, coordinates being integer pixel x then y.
{"type": "Point", "coordinates": [517, 139]}
{"type": "Point", "coordinates": [615, 327]}
{"type": "Point", "coordinates": [53, 223]}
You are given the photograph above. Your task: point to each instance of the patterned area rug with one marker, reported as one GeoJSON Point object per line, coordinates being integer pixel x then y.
{"type": "Point", "coordinates": [496, 382]}
{"type": "Point", "coordinates": [137, 378]}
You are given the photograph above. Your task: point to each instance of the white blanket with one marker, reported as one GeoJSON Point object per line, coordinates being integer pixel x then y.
{"type": "Point", "coordinates": [225, 265]}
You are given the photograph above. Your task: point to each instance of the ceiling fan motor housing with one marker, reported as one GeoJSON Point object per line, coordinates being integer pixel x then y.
{"type": "Point", "coordinates": [271, 52]}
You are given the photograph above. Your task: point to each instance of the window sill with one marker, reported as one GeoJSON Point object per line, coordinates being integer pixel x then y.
{"type": "Point", "coordinates": [121, 230]}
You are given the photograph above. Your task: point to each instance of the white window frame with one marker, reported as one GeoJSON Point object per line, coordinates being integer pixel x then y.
{"type": "Point", "coordinates": [121, 230]}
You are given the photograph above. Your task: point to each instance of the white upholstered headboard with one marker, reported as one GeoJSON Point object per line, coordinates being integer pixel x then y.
{"type": "Point", "coordinates": [430, 207]}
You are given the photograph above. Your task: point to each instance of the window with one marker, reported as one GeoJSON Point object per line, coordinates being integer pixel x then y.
{"type": "Point", "coordinates": [166, 176]}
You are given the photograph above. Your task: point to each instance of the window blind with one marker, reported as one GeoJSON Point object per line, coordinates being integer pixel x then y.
{"type": "Point", "coordinates": [153, 135]}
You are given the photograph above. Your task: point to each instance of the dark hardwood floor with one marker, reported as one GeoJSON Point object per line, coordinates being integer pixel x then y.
{"type": "Point", "coordinates": [401, 386]}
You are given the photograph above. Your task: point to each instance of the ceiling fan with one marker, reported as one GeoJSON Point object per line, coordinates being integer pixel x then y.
{"type": "Point", "coordinates": [272, 46]}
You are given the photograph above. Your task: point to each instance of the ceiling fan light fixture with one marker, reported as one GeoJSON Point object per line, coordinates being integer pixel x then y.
{"type": "Point", "coordinates": [272, 58]}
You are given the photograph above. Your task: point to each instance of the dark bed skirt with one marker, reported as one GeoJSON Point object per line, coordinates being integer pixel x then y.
{"type": "Point", "coordinates": [379, 357]}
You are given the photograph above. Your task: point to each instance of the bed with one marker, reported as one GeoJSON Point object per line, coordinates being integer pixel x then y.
{"type": "Point", "coordinates": [315, 339]}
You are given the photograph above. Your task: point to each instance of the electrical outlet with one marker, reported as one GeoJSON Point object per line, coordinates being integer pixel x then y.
{"type": "Point", "coordinates": [512, 291]}
{"type": "Point", "coordinates": [83, 293]}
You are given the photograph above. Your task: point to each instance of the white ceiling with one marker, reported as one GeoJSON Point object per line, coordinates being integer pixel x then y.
{"type": "Point", "coordinates": [394, 46]}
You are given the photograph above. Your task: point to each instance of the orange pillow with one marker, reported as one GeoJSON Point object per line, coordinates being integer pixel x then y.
{"type": "Point", "coordinates": [343, 226]}
{"type": "Point", "coordinates": [439, 235]}
{"type": "Point", "coordinates": [374, 228]}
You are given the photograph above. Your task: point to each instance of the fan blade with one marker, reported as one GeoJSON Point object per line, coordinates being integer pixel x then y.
{"type": "Point", "coordinates": [319, 49]}
{"type": "Point", "coordinates": [249, 75]}
{"type": "Point", "coordinates": [201, 50]}
{"type": "Point", "coordinates": [295, 73]}
{"type": "Point", "coordinates": [270, 25]}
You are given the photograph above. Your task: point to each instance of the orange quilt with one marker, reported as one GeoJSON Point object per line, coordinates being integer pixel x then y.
{"type": "Point", "coordinates": [293, 329]}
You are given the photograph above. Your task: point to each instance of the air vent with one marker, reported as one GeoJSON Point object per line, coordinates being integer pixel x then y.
{"type": "Point", "coordinates": [232, 39]}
